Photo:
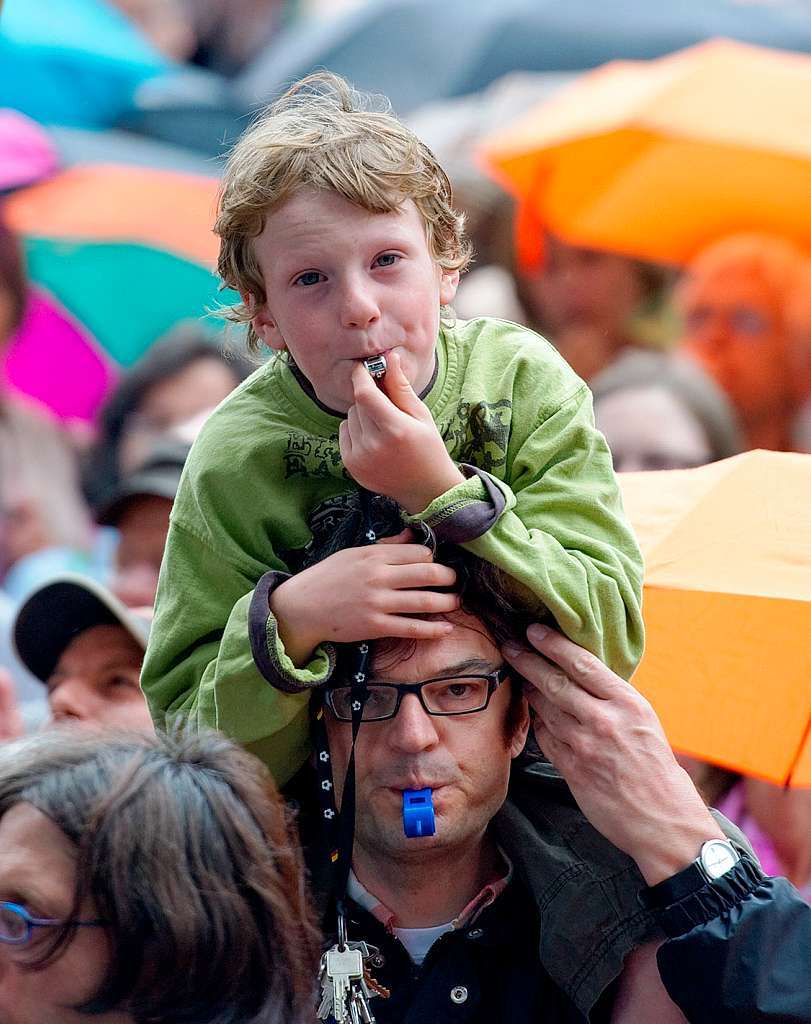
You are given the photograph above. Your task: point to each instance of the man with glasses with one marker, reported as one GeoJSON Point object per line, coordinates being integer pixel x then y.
{"type": "Point", "coordinates": [517, 909]}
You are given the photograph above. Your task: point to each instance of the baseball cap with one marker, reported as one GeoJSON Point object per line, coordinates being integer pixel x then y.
{"type": "Point", "coordinates": [58, 611]}
{"type": "Point", "coordinates": [158, 476]}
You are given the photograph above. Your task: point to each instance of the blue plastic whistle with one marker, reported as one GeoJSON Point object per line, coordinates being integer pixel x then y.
{"type": "Point", "coordinates": [418, 813]}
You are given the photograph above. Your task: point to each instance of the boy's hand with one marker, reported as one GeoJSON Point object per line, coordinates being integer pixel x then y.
{"type": "Point", "coordinates": [390, 443]}
{"type": "Point", "coordinates": [363, 594]}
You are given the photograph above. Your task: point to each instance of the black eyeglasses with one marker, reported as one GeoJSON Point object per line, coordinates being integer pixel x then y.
{"type": "Point", "coordinates": [443, 696]}
{"type": "Point", "coordinates": [17, 925]}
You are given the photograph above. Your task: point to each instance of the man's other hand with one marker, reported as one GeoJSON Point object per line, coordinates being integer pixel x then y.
{"type": "Point", "coordinates": [606, 741]}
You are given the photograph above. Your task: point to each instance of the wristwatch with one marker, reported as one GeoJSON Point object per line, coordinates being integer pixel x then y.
{"type": "Point", "coordinates": [715, 859]}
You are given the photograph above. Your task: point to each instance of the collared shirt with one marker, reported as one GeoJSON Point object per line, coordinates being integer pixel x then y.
{"type": "Point", "coordinates": [419, 940]}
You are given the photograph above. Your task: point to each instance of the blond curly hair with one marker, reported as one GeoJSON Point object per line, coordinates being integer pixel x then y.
{"type": "Point", "coordinates": [323, 134]}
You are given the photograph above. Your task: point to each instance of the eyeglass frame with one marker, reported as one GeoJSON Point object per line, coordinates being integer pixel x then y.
{"type": "Point", "coordinates": [494, 680]}
{"type": "Point", "coordinates": [32, 922]}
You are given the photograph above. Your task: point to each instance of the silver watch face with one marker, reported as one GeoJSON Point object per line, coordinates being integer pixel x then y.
{"type": "Point", "coordinates": [717, 857]}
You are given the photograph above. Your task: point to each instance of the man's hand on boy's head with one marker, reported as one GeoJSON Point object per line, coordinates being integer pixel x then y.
{"type": "Point", "coordinates": [391, 445]}
{"type": "Point", "coordinates": [382, 590]}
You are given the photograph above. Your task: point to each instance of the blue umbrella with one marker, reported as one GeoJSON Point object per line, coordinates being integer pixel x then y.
{"type": "Point", "coordinates": [72, 62]}
{"type": "Point", "coordinates": [415, 51]}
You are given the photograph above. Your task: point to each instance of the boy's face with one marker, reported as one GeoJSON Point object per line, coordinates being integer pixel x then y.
{"type": "Point", "coordinates": [344, 284]}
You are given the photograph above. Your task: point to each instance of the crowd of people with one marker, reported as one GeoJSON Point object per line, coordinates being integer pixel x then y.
{"type": "Point", "coordinates": [268, 571]}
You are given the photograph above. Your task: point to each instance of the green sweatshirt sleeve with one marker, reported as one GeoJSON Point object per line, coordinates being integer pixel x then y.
{"type": "Point", "coordinates": [199, 666]}
{"type": "Point", "coordinates": [562, 534]}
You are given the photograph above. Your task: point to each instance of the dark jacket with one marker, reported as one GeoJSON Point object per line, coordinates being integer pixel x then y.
{"type": "Point", "coordinates": [552, 947]}
{"type": "Point", "coordinates": [748, 964]}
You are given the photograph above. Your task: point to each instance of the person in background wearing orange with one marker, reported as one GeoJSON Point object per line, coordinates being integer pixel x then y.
{"type": "Point", "coordinates": [735, 298]}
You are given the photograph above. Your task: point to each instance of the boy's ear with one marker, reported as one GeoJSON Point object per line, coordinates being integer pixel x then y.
{"type": "Point", "coordinates": [448, 284]}
{"type": "Point", "coordinates": [264, 324]}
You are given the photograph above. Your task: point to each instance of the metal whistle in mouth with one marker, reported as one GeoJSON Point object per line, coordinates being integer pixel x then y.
{"type": "Point", "coordinates": [418, 813]}
{"type": "Point", "coordinates": [376, 365]}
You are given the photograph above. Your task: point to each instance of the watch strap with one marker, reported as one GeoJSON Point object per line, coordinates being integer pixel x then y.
{"type": "Point", "coordinates": [689, 899]}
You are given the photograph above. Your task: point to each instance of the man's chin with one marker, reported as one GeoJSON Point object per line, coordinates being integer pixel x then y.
{"type": "Point", "coordinates": [388, 838]}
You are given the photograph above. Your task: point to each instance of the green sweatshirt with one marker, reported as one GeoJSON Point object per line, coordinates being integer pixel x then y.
{"type": "Point", "coordinates": [505, 402]}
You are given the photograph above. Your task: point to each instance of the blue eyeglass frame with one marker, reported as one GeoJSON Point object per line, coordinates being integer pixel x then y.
{"type": "Point", "coordinates": [494, 680]}
{"type": "Point", "coordinates": [32, 922]}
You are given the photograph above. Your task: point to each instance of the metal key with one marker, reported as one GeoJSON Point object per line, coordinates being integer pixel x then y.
{"type": "Point", "coordinates": [343, 966]}
{"type": "Point", "coordinates": [327, 995]}
{"type": "Point", "coordinates": [359, 1010]}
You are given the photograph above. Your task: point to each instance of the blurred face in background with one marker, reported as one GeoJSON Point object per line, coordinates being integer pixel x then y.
{"type": "Point", "coordinates": [578, 287]}
{"type": "Point", "coordinates": [143, 525]}
{"type": "Point", "coordinates": [733, 328]}
{"type": "Point", "coordinates": [201, 385]}
{"type": "Point", "coordinates": [648, 427]}
{"type": "Point", "coordinates": [96, 681]}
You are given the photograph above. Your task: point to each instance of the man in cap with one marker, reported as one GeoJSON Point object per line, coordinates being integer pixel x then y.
{"type": "Point", "coordinates": [87, 647]}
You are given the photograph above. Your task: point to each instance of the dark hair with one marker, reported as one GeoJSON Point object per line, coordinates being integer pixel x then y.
{"type": "Point", "coordinates": [12, 274]}
{"type": "Point", "coordinates": [487, 594]}
{"type": "Point", "coordinates": [185, 848]}
{"type": "Point", "coordinates": [185, 344]}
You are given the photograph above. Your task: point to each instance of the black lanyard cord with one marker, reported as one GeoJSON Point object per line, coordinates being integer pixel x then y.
{"type": "Point", "coordinates": [340, 827]}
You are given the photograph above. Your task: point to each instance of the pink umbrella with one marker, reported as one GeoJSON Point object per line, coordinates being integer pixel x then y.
{"type": "Point", "coordinates": [76, 375]}
{"type": "Point", "coordinates": [27, 153]}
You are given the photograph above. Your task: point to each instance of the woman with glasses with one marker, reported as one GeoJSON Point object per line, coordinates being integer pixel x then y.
{"type": "Point", "coordinates": [735, 299]}
{"type": "Point", "coordinates": [148, 880]}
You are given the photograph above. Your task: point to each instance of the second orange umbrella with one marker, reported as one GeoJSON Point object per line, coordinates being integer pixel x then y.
{"type": "Point", "coordinates": [658, 158]}
{"type": "Point", "coordinates": [727, 609]}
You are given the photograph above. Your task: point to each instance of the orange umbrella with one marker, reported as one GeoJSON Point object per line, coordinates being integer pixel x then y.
{"type": "Point", "coordinates": [728, 609]}
{"type": "Point", "coordinates": [658, 158]}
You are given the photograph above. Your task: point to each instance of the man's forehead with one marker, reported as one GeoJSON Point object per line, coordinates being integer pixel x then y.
{"type": "Point", "coordinates": [468, 648]}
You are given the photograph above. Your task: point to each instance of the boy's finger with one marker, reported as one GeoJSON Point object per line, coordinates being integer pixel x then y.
{"type": "Point", "coordinates": [362, 422]}
{"type": "Point", "coordinates": [396, 385]}
{"type": "Point", "coordinates": [419, 575]}
{"type": "Point", "coordinates": [416, 629]}
{"type": "Point", "coordinates": [353, 426]}
{"type": "Point", "coordinates": [407, 553]}
{"type": "Point", "coordinates": [405, 536]}
{"type": "Point", "coordinates": [344, 441]}
{"type": "Point", "coordinates": [368, 396]}
{"type": "Point", "coordinates": [421, 602]}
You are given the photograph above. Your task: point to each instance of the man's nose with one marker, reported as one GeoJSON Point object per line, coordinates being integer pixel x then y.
{"type": "Point", "coordinates": [412, 728]}
{"type": "Point", "coordinates": [359, 306]}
